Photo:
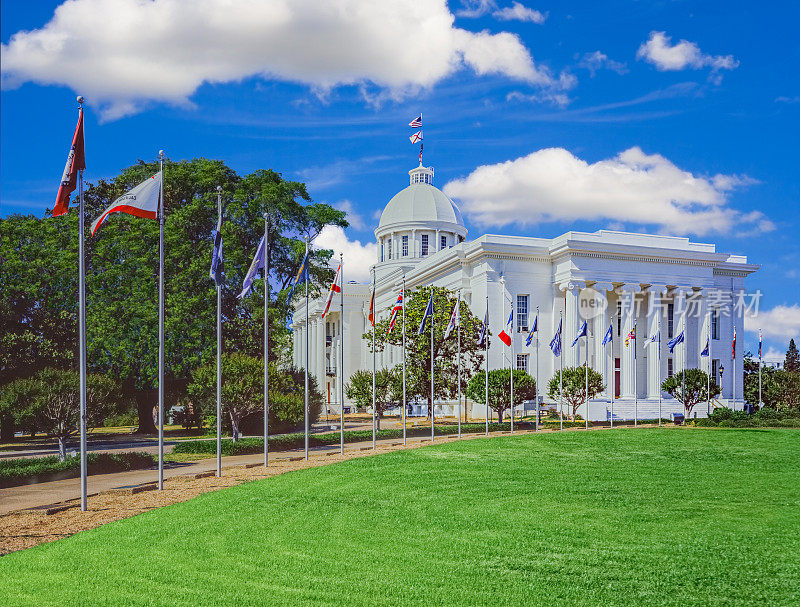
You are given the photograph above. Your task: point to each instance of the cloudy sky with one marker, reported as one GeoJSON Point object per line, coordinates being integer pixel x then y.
{"type": "Point", "coordinates": [671, 117]}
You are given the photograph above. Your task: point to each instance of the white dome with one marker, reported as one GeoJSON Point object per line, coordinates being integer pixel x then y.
{"type": "Point", "coordinates": [420, 203]}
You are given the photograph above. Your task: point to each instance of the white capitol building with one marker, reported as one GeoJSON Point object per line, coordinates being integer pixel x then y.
{"type": "Point", "coordinates": [681, 284]}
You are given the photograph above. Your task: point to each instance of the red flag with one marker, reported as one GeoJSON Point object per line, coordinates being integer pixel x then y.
{"type": "Point", "coordinates": [76, 161]}
{"type": "Point", "coordinates": [371, 315]}
{"type": "Point", "coordinates": [335, 288]}
{"type": "Point", "coordinates": [733, 346]}
{"type": "Point", "coordinates": [398, 306]}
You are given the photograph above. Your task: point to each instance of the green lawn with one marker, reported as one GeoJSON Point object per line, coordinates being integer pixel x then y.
{"type": "Point", "coordinates": [649, 516]}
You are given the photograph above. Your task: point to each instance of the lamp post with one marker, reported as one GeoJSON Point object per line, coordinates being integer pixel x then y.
{"type": "Point", "coordinates": [721, 371]}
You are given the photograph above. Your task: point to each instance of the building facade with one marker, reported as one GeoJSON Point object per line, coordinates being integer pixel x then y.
{"type": "Point", "coordinates": [637, 284]}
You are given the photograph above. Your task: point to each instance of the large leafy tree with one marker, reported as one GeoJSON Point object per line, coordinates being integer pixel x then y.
{"type": "Point", "coordinates": [573, 390]}
{"type": "Point", "coordinates": [691, 391]}
{"type": "Point", "coordinates": [359, 390]}
{"type": "Point", "coordinates": [500, 389]}
{"type": "Point", "coordinates": [770, 385]}
{"type": "Point", "coordinates": [122, 275]}
{"type": "Point", "coordinates": [445, 351]}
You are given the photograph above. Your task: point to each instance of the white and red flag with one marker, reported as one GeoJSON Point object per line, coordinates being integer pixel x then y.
{"type": "Point", "coordinates": [336, 287]}
{"type": "Point", "coordinates": [371, 315]}
{"type": "Point", "coordinates": [398, 306]}
{"type": "Point", "coordinates": [455, 320]}
{"type": "Point", "coordinates": [416, 137]}
{"type": "Point", "coordinates": [508, 331]}
{"type": "Point", "coordinates": [76, 161]}
{"type": "Point", "coordinates": [416, 123]}
{"type": "Point", "coordinates": [141, 201]}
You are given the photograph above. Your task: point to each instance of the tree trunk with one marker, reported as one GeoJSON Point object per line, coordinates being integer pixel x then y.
{"type": "Point", "coordinates": [146, 403]}
{"type": "Point", "coordinates": [62, 448]}
{"type": "Point", "coordinates": [235, 427]}
{"type": "Point", "coordinates": [6, 428]}
{"type": "Point", "coordinates": [378, 421]}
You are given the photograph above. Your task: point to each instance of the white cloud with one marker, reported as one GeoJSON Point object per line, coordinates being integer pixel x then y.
{"type": "Point", "coordinates": [597, 61]}
{"type": "Point", "coordinates": [354, 218]}
{"type": "Point", "coordinates": [785, 99]}
{"type": "Point", "coordinates": [519, 12]}
{"type": "Point", "coordinates": [358, 258]}
{"type": "Point", "coordinates": [666, 56]}
{"type": "Point", "coordinates": [633, 187]}
{"type": "Point", "coordinates": [122, 54]}
{"type": "Point", "coordinates": [781, 322]}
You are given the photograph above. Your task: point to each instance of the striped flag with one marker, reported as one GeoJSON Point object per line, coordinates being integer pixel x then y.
{"type": "Point", "coordinates": [416, 123]}
{"type": "Point", "coordinates": [141, 201]}
{"type": "Point", "coordinates": [508, 330]}
{"type": "Point", "coordinates": [398, 306]}
{"type": "Point", "coordinates": [336, 287]}
{"type": "Point", "coordinates": [76, 161]}
{"type": "Point", "coordinates": [455, 320]}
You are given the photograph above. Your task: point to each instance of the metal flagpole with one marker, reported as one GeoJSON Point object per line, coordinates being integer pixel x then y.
{"type": "Point", "coordinates": [82, 331]}
{"type": "Point", "coordinates": [219, 349]}
{"type": "Point", "coordinates": [404, 359]}
{"type": "Point", "coordinates": [374, 312]}
{"type": "Point", "coordinates": [161, 332]}
{"type": "Point", "coordinates": [710, 367]}
{"type": "Point", "coordinates": [659, 370]}
{"type": "Point", "coordinates": [561, 379]}
{"type": "Point", "coordinates": [536, 385]}
{"type": "Point", "coordinates": [486, 355]}
{"type": "Point", "coordinates": [512, 363]}
{"type": "Point", "coordinates": [341, 351]}
{"type": "Point", "coordinates": [760, 404]}
{"type": "Point", "coordinates": [635, 389]}
{"type": "Point", "coordinates": [307, 352]}
{"type": "Point", "coordinates": [266, 339]}
{"type": "Point", "coordinates": [432, 392]}
{"type": "Point", "coordinates": [733, 372]}
{"type": "Point", "coordinates": [458, 303]}
{"type": "Point", "coordinates": [586, 359]}
{"type": "Point", "coordinates": [611, 390]}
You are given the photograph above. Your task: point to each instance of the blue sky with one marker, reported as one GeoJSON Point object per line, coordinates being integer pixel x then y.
{"type": "Point", "coordinates": [692, 108]}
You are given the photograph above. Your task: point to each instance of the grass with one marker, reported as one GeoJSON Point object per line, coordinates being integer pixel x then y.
{"type": "Point", "coordinates": [625, 517]}
{"type": "Point", "coordinates": [20, 471]}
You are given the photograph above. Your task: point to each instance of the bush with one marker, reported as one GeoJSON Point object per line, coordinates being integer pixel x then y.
{"type": "Point", "coordinates": [129, 418]}
{"type": "Point", "coordinates": [21, 471]}
{"type": "Point", "coordinates": [765, 418]}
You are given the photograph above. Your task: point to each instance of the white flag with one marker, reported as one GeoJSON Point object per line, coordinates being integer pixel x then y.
{"type": "Point", "coordinates": [141, 201]}
{"type": "Point", "coordinates": [416, 137]}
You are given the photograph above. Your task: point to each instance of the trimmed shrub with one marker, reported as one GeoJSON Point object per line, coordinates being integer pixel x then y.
{"type": "Point", "coordinates": [21, 471]}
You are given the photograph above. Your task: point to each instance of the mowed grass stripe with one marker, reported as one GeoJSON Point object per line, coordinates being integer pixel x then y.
{"type": "Point", "coordinates": [657, 516]}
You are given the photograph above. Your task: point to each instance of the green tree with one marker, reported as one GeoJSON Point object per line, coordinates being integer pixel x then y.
{"type": "Point", "coordinates": [49, 402]}
{"type": "Point", "coordinates": [792, 361]}
{"type": "Point", "coordinates": [789, 389]}
{"type": "Point", "coordinates": [770, 389]}
{"type": "Point", "coordinates": [359, 389]}
{"type": "Point", "coordinates": [574, 386]}
{"type": "Point", "coordinates": [500, 389]}
{"type": "Point", "coordinates": [694, 390]}
{"type": "Point", "coordinates": [243, 392]}
{"type": "Point", "coordinates": [445, 351]}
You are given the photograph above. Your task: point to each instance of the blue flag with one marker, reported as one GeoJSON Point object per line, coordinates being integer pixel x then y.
{"type": "Point", "coordinates": [252, 272]}
{"type": "Point", "coordinates": [609, 336]}
{"type": "Point", "coordinates": [581, 333]}
{"type": "Point", "coordinates": [555, 344]}
{"type": "Point", "coordinates": [706, 350]}
{"type": "Point", "coordinates": [484, 328]}
{"type": "Point", "coordinates": [678, 339]}
{"type": "Point", "coordinates": [302, 275]}
{"type": "Point", "coordinates": [426, 316]}
{"type": "Point", "coordinates": [534, 329]}
{"type": "Point", "coordinates": [217, 270]}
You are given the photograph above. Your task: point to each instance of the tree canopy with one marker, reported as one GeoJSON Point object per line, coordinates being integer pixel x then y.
{"type": "Point", "coordinates": [500, 389]}
{"type": "Point", "coordinates": [693, 390]}
{"type": "Point", "coordinates": [573, 391]}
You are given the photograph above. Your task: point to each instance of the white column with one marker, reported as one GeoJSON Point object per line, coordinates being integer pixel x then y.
{"type": "Point", "coordinates": [603, 357]}
{"type": "Point", "coordinates": [436, 247]}
{"type": "Point", "coordinates": [679, 321]}
{"type": "Point", "coordinates": [572, 322]}
{"type": "Point", "coordinates": [413, 251]}
{"type": "Point", "coordinates": [654, 316]}
{"type": "Point", "coordinates": [693, 325]}
{"type": "Point", "coordinates": [628, 293]}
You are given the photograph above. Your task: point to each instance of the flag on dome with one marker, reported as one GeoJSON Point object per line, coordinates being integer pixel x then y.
{"type": "Point", "coordinates": [455, 320]}
{"type": "Point", "coordinates": [76, 161]}
{"type": "Point", "coordinates": [217, 267]}
{"type": "Point", "coordinates": [141, 201]}
{"type": "Point", "coordinates": [255, 266]}
{"type": "Point", "coordinates": [678, 339]}
{"type": "Point", "coordinates": [416, 123]}
{"type": "Point", "coordinates": [609, 336]}
{"type": "Point", "coordinates": [302, 274]}
{"type": "Point", "coordinates": [398, 306]}
{"type": "Point", "coordinates": [336, 287]}
{"type": "Point", "coordinates": [555, 343]}
{"type": "Point", "coordinates": [371, 313]}
{"type": "Point", "coordinates": [484, 328]}
{"type": "Point", "coordinates": [416, 137]}
{"type": "Point", "coordinates": [706, 349]}
{"type": "Point", "coordinates": [534, 329]}
{"type": "Point", "coordinates": [428, 314]}
{"type": "Point", "coordinates": [581, 333]}
{"type": "Point", "coordinates": [508, 330]}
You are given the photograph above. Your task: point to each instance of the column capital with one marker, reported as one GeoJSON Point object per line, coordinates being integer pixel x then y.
{"type": "Point", "coordinates": [572, 285]}
{"type": "Point", "coordinates": [657, 288]}
{"type": "Point", "coordinates": [681, 291]}
{"type": "Point", "coordinates": [602, 287]}
{"type": "Point", "coordinates": [628, 287]}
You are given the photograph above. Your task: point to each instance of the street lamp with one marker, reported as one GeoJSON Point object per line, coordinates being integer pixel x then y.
{"type": "Point", "coordinates": [721, 371]}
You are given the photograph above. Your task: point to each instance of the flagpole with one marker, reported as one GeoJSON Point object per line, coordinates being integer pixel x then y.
{"type": "Point", "coordinates": [374, 319]}
{"type": "Point", "coordinates": [733, 364]}
{"type": "Point", "coordinates": [659, 370]}
{"type": "Point", "coordinates": [341, 350]}
{"type": "Point", "coordinates": [635, 389]}
{"type": "Point", "coordinates": [586, 359]}
{"type": "Point", "coordinates": [458, 303]}
{"type": "Point", "coordinates": [486, 355]}
{"type": "Point", "coordinates": [512, 364]}
{"type": "Point", "coordinates": [266, 339]}
{"type": "Point", "coordinates": [561, 376]}
{"type": "Point", "coordinates": [432, 392]}
{"type": "Point", "coordinates": [760, 404]}
{"type": "Point", "coordinates": [611, 390]}
{"type": "Point", "coordinates": [710, 365]}
{"type": "Point", "coordinates": [219, 348]}
{"type": "Point", "coordinates": [307, 352]}
{"type": "Point", "coordinates": [404, 359]}
{"type": "Point", "coordinates": [82, 330]}
{"type": "Point", "coordinates": [161, 331]}
{"type": "Point", "coordinates": [536, 385]}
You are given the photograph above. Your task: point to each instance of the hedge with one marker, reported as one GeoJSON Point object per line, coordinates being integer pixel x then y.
{"type": "Point", "coordinates": [21, 471]}
{"type": "Point", "coordinates": [764, 418]}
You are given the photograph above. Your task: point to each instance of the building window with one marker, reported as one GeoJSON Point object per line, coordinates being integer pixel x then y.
{"type": "Point", "coordinates": [670, 320]}
{"type": "Point", "coordinates": [443, 242]}
{"type": "Point", "coordinates": [669, 367]}
{"type": "Point", "coordinates": [715, 370]}
{"type": "Point", "coordinates": [715, 323]}
{"type": "Point", "coordinates": [389, 244]}
{"type": "Point", "coordinates": [424, 245]}
{"type": "Point", "coordinates": [405, 246]}
{"type": "Point", "coordinates": [522, 313]}
{"type": "Point", "coordinates": [522, 362]}
{"type": "Point", "coordinates": [619, 318]}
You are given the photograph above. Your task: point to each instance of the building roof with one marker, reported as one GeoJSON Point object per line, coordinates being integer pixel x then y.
{"type": "Point", "coordinates": [420, 203]}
